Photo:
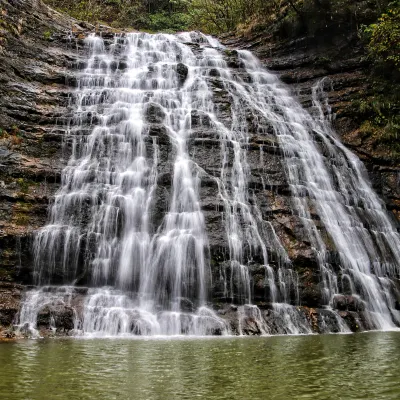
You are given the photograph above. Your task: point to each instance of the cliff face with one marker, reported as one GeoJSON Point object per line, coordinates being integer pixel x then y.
{"type": "Point", "coordinates": [35, 57]}
{"type": "Point", "coordinates": [37, 54]}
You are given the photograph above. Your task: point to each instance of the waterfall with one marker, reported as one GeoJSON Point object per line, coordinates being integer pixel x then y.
{"type": "Point", "coordinates": [127, 244]}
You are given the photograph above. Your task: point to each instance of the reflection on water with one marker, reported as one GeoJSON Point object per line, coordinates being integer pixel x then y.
{"type": "Point", "coordinates": [364, 366]}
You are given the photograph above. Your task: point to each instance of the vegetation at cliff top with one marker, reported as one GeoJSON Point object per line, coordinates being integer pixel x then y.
{"type": "Point", "coordinates": [151, 15]}
{"type": "Point", "coordinates": [218, 16]}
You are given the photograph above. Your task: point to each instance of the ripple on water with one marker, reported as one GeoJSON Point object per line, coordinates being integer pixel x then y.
{"type": "Point", "coordinates": [362, 366]}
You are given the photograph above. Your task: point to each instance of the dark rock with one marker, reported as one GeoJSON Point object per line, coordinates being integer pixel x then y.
{"type": "Point", "coordinates": [186, 305]}
{"type": "Point", "coordinates": [250, 327]}
{"type": "Point", "coordinates": [352, 320]}
{"type": "Point", "coordinates": [59, 316]}
{"type": "Point", "coordinates": [182, 71]}
{"type": "Point", "coordinates": [348, 303]}
{"type": "Point", "coordinates": [44, 318]}
{"type": "Point", "coordinates": [154, 113]}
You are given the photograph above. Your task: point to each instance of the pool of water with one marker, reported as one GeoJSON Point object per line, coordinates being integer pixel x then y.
{"type": "Point", "coordinates": [361, 366]}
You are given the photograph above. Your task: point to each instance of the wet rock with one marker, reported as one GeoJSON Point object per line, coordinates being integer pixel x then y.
{"type": "Point", "coordinates": [44, 318]}
{"type": "Point", "coordinates": [59, 316]}
{"type": "Point", "coordinates": [201, 120]}
{"type": "Point", "coordinates": [340, 302]}
{"type": "Point", "coordinates": [186, 305]}
{"type": "Point", "coordinates": [348, 303]}
{"type": "Point", "coordinates": [250, 327]}
{"type": "Point", "coordinates": [328, 322]}
{"type": "Point", "coordinates": [354, 303]}
{"type": "Point", "coordinates": [10, 297]}
{"type": "Point", "coordinates": [182, 71]}
{"type": "Point", "coordinates": [33, 94]}
{"type": "Point", "coordinates": [352, 320]}
{"type": "Point", "coordinates": [8, 334]}
{"type": "Point", "coordinates": [160, 132]}
{"type": "Point", "coordinates": [154, 113]}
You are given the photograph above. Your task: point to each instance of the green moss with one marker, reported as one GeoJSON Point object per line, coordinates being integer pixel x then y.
{"type": "Point", "coordinates": [5, 275]}
{"type": "Point", "coordinates": [22, 212]}
{"type": "Point", "coordinates": [24, 186]}
{"type": "Point", "coordinates": [47, 35]}
{"type": "Point", "coordinates": [23, 206]}
{"type": "Point", "coordinates": [230, 52]}
{"type": "Point", "coordinates": [21, 219]}
{"type": "Point", "coordinates": [323, 61]}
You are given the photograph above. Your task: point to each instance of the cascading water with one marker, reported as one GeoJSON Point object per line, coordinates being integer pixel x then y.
{"type": "Point", "coordinates": [101, 219]}
{"type": "Point", "coordinates": [324, 175]}
{"type": "Point", "coordinates": [148, 274]}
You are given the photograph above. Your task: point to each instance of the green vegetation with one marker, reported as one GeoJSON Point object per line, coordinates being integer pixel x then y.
{"type": "Point", "coordinates": [284, 17]}
{"type": "Point", "coordinates": [380, 113]}
{"type": "Point", "coordinates": [380, 118]}
{"type": "Point", "coordinates": [25, 185]}
{"type": "Point", "coordinates": [47, 35]}
{"type": "Point", "coordinates": [384, 37]}
{"type": "Point", "coordinates": [149, 15]}
{"type": "Point", "coordinates": [22, 213]}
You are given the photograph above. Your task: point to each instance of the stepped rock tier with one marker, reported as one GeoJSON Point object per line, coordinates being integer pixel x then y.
{"type": "Point", "coordinates": [191, 172]}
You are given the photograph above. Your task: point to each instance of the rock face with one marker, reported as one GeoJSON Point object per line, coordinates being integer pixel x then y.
{"type": "Point", "coordinates": [35, 57]}
{"type": "Point", "coordinates": [39, 50]}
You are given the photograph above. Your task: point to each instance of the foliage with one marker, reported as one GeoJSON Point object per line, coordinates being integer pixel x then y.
{"type": "Point", "coordinates": [153, 15]}
{"type": "Point", "coordinates": [379, 116]}
{"type": "Point", "coordinates": [284, 17]}
{"type": "Point", "coordinates": [167, 22]}
{"type": "Point", "coordinates": [384, 37]}
{"type": "Point", "coordinates": [380, 113]}
{"type": "Point", "coordinates": [218, 16]}
{"type": "Point", "coordinates": [288, 17]}
{"type": "Point", "coordinates": [47, 35]}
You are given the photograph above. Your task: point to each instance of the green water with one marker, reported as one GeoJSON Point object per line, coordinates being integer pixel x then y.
{"type": "Point", "coordinates": [363, 366]}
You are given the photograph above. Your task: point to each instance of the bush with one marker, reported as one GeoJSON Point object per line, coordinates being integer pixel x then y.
{"type": "Point", "coordinates": [154, 15]}
{"type": "Point", "coordinates": [167, 22]}
{"type": "Point", "coordinates": [384, 37]}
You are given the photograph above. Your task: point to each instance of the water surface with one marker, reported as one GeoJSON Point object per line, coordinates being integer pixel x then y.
{"type": "Point", "coordinates": [362, 366]}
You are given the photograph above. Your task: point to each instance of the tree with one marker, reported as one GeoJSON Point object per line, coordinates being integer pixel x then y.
{"type": "Point", "coordinates": [384, 35]}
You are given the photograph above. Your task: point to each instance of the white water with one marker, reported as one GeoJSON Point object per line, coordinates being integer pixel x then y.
{"type": "Point", "coordinates": [154, 278]}
{"type": "Point", "coordinates": [330, 179]}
